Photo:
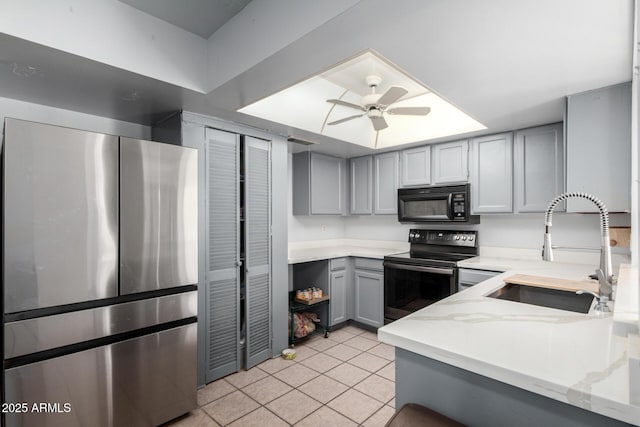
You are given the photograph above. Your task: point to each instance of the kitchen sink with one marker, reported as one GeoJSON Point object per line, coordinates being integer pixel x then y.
{"type": "Point", "coordinates": [545, 297]}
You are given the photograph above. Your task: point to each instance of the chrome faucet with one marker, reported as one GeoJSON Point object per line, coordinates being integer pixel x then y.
{"type": "Point", "coordinates": [604, 272]}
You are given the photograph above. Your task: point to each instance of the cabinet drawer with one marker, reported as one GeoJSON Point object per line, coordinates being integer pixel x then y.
{"type": "Point", "coordinates": [369, 264]}
{"type": "Point", "coordinates": [337, 264]}
{"type": "Point", "coordinates": [472, 277]}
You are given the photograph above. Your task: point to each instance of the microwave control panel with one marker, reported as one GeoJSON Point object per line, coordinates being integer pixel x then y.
{"type": "Point", "coordinates": [459, 205]}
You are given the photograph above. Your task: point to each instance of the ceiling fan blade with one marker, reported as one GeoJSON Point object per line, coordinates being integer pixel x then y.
{"type": "Point", "coordinates": [392, 95]}
{"type": "Point", "coordinates": [345, 104]}
{"type": "Point", "coordinates": [379, 123]}
{"type": "Point", "coordinates": [410, 111]}
{"type": "Point", "coordinates": [346, 119]}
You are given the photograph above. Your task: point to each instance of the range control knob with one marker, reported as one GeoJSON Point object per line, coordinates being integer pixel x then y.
{"type": "Point", "coordinates": [471, 238]}
{"type": "Point", "coordinates": [464, 237]}
{"type": "Point", "coordinates": [456, 237]}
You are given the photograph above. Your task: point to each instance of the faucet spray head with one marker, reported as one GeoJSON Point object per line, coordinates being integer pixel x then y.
{"type": "Point", "coordinates": [547, 251]}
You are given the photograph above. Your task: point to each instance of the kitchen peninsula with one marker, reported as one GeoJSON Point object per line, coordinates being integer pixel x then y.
{"type": "Point", "coordinates": [488, 362]}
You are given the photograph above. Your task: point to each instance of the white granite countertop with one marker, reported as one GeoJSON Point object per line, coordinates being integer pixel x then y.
{"type": "Point", "coordinates": [571, 357]}
{"type": "Point", "coordinates": [337, 248]}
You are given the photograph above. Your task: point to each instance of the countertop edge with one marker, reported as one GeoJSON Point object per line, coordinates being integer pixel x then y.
{"type": "Point", "coordinates": [606, 407]}
{"type": "Point", "coordinates": [405, 335]}
{"type": "Point", "coordinates": [316, 251]}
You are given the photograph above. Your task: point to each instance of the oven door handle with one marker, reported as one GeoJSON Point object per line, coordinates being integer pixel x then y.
{"type": "Point", "coordinates": [445, 271]}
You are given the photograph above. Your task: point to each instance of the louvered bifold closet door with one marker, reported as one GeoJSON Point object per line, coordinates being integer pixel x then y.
{"type": "Point", "coordinates": [223, 290]}
{"type": "Point", "coordinates": [258, 243]}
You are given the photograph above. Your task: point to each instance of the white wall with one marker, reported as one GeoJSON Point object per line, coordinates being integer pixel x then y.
{"type": "Point", "coordinates": [72, 119]}
{"type": "Point", "coordinates": [635, 152]}
{"type": "Point", "coordinates": [262, 29]}
{"type": "Point", "coordinates": [113, 33]}
{"type": "Point", "coordinates": [510, 231]}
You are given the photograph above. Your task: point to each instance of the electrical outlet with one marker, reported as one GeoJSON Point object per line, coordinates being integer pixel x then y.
{"type": "Point", "coordinates": [324, 228]}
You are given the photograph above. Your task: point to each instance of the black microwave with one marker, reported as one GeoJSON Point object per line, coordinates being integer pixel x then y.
{"type": "Point", "coordinates": [446, 204]}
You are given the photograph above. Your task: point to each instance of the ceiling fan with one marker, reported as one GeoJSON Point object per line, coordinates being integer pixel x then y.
{"type": "Point", "coordinates": [374, 105]}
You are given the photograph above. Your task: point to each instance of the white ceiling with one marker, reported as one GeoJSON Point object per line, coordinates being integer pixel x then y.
{"type": "Point", "coordinates": [305, 106]}
{"type": "Point", "coordinates": [508, 64]}
{"type": "Point", "coordinates": [201, 17]}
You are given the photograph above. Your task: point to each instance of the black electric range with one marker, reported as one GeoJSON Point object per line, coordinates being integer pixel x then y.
{"type": "Point", "coordinates": [428, 272]}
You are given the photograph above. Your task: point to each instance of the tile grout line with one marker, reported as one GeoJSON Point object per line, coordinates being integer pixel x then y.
{"type": "Point", "coordinates": [272, 375]}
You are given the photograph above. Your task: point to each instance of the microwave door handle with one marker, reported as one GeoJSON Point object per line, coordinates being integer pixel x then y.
{"type": "Point", "coordinates": [450, 206]}
{"type": "Point", "coordinates": [444, 271]}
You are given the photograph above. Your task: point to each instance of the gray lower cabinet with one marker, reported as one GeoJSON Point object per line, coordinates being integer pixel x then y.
{"type": "Point", "coordinates": [468, 277]}
{"type": "Point", "coordinates": [361, 185]}
{"type": "Point", "coordinates": [599, 148]}
{"type": "Point", "coordinates": [338, 293]}
{"type": "Point", "coordinates": [319, 184]}
{"type": "Point", "coordinates": [415, 166]}
{"type": "Point", "coordinates": [450, 162]}
{"type": "Point", "coordinates": [355, 287]}
{"type": "Point", "coordinates": [492, 174]}
{"type": "Point", "coordinates": [385, 187]}
{"type": "Point", "coordinates": [368, 287]}
{"type": "Point", "coordinates": [538, 167]}
{"type": "Point", "coordinates": [340, 290]}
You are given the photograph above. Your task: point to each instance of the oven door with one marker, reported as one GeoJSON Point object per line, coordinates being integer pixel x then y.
{"type": "Point", "coordinates": [409, 288]}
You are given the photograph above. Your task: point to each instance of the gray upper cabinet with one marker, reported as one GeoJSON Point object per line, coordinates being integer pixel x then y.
{"type": "Point", "coordinates": [599, 148]}
{"type": "Point", "coordinates": [539, 167]}
{"type": "Point", "coordinates": [416, 166]}
{"type": "Point", "coordinates": [362, 185]}
{"type": "Point", "coordinates": [450, 162]}
{"type": "Point", "coordinates": [386, 183]}
{"type": "Point", "coordinates": [319, 184]}
{"type": "Point", "coordinates": [491, 174]}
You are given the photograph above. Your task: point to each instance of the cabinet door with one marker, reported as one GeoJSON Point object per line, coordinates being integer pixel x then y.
{"type": "Point", "coordinates": [539, 167]}
{"type": "Point", "coordinates": [361, 185]}
{"type": "Point", "coordinates": [368, 297]}
{"type": "Point", "coordinates": [416, 166]}
{"type": "Point", "coordinates": [386, 183]}
{"type": "Point", "coordinates": [223, 258]}
{"type": "Point", "coordinates": [258, 253]}
{"type": "Point", "coordinates": [599, 148]}
{"type": "Point", "coordinates": [338, 294]}
{"type": "Point", "coordinates": [327, 181]}
{"type": "Point", "coordinates": [450, 162]}
{"type": "Point", "coordinates": [491, 174]}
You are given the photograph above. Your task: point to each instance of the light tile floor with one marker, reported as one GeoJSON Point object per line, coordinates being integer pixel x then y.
{"type": "Point", "coordinates": [347, 379]}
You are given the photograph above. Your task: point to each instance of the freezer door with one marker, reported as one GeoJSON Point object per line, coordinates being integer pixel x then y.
{"type": "Point", "coordinates": [159, 216]}
{"type": "Point", "coordinates": [60, 216]}
{"type": "Point", "coordinates": [51, 333]}
{"type": "Point", "coordinates": [144, 381]}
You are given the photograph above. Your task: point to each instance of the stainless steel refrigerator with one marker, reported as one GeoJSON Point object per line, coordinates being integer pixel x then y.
{"type": "Point", "coordinates": [99, 278]}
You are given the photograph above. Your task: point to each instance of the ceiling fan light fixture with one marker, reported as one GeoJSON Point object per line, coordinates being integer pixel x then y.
{"type": "Point", "coordinates": [374, 113]}
{"type": "Point", "coordinates": [333, 102]}
{"type": "Point", "coordinates": [375, 104]}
